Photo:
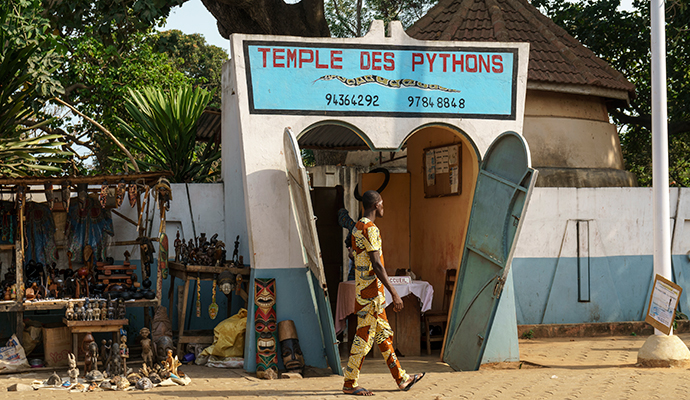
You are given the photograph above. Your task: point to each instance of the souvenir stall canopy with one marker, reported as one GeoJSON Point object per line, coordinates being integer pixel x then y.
{"type": "Point", "coordinates": [56, 241]}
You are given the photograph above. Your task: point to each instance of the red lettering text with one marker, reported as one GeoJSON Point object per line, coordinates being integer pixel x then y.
{"type": "Point", "coordinates": [417, 59]}
{"type": "Point", "coordinates": [497, 62]}
{"type": "Point", "coordinates": [376, 60]}
{"type": "Point", "coordinates": [277, 57]}
{"type": "Point", "coordinates": [364, 60]}
{"type": "Point", "coordinates": [444, 56]}
{"type": "Point", "coordinates": [264, 50]}
{"type": "Point", "coordinates": [292, 56]}
{"type": "Point", "coordinates": [389, 61]}
{"type": "Point", "coordinates": [484, 62]}
{"type": "Point", "coordinates": [458, 62]}
{"type": "Point", "coordinates": [320, 66]}
{"type": "Point", "coordinates": [431, 61]}
{"type": "Point", "coordinates": [335, 59]}
{"type": "Point", "coordinates": [305, 56]}
{"type": "Point", "coordinates": [472, 57]}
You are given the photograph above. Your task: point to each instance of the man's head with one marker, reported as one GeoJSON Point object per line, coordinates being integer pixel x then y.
{"type": "Point", "coordinates": [372, 200]}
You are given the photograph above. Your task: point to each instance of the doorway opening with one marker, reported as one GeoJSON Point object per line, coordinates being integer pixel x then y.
{"type": "Point", "coordinates": [426, 220]}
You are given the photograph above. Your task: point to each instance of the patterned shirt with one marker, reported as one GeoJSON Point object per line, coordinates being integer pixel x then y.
{"type": "Point", "coordinates": [370, 295]}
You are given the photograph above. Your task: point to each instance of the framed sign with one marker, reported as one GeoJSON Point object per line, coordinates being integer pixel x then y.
{"type": "Point", "coordinates": [442, 170]}
{"type": "Point", "coordinates": [334, 79]}
{"type": "Point", "coordinates": [662, 304]}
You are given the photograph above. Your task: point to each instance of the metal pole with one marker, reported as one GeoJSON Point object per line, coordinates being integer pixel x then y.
{"type": "Point", "coordinates": [662, 214]}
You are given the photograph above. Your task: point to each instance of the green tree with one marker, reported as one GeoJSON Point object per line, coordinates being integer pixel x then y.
{"type": "Point", "coordinates": [165, 132]}
{"type": "Point", "coordinates": [623, 39]}
{"type": "Point", "coordinates": [191, 55]}
{"type": "Point", "coordinates": [27, 60]}
{"type": "Point", "coordinates": [98, 77]}
{"type": "Point", "coordinates": [352, 18]}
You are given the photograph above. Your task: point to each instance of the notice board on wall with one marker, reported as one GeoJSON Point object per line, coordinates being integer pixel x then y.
{"type": "Point", "coordinates": [442, 173]}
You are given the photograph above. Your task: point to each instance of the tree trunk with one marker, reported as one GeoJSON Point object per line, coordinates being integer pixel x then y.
{"type": "Point", "coordinates": [269, 17]}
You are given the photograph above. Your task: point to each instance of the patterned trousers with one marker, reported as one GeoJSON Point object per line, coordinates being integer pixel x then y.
{"type": "Point", "coordinates": [370, 327]}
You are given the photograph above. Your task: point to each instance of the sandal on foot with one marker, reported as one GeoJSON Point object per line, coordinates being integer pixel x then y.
{"type": "Point", "coordinates": [415, 378]}
{"type": "Point", "coordinates": [358, 391]}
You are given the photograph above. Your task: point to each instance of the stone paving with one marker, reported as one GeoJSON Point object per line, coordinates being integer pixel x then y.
{"type": "Point", "coordinates": [559, 368]}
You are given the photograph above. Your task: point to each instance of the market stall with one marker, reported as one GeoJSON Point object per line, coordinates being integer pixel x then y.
{"type": "Point", "coordinates": [56, 246]}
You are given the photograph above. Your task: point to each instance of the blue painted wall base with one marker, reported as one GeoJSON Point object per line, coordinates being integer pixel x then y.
{"type": "Point", "coordinates": [502, 344]}
{"type": "Point", "coordinates": [294, 301]}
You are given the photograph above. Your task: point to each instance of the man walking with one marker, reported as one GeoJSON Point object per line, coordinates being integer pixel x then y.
{"type": "Point", "coordinates": [372, 324]}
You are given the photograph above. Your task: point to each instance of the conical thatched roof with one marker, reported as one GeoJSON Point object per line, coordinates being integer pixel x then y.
{"type": "Point", "coordinates": [556, 58]}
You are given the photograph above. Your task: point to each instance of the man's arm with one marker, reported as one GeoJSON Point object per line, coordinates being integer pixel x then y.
{"type": "Point", "coordinates": [380, 272]}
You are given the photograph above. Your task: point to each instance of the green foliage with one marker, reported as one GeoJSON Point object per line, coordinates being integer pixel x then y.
{"type": "Point", "coordinates": [623, 39]}
{"type": "Point", "coordinates": [114, 22]}
{"type": "Point", "coordinates": [25, 78]}
{"type": "Point", "coordinates": [99, 76]}
{"type": "Point", "coordinates": [352, 18]}
{"type": "Point", "coordinates": [528, 335]}
{"type": "Point", "coordinates": [167, 132]}
{"type": "Point", "coordinates": [191, 55]}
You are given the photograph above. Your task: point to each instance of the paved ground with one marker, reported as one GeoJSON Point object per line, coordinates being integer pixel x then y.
{"type": "Point", "coordinates": [561, 368]}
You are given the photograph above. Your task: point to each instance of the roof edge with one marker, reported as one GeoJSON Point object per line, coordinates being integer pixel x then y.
{"type": "Point", "coordinates": [588, 90]}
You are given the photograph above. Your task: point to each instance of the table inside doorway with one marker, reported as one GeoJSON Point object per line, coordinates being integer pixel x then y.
{"type": "Point", "coordinates": [417, 297]}
{"type": "Point", "coordinates": [188, 273]}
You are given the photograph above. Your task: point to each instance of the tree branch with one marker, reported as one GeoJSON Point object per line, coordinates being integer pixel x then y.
{"type": "Point", "coordinates": [107, 132]}
{"type": "Point", "coordinates": [674, 127]}
{"type": "Point", "coordinates": [271, 17]}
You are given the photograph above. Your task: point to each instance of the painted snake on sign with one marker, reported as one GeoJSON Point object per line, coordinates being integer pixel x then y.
{"type": "Point", "coordinates": [390, 83]}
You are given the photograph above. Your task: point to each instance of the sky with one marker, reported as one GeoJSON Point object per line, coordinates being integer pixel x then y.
{"type": "Point", "coordinates": [193, 17]}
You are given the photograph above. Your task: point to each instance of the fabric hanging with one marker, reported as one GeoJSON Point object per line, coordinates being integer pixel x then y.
{"type": "Point", "coordinates": [88, 225]}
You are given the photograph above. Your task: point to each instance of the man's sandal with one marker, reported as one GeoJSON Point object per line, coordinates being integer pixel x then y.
{"type": "Point", "coordinates": [358, 391]}
{"type": "Point", "coordinates": [415, 378]}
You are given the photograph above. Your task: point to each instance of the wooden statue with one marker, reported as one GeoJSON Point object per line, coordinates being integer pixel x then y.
{"type": "Point", "coordinates": [124, 352]}
{"type": "Point", "coordinates": [105, 352]}
{"type": "Point", "coordinates": [265, 326]}
{"type": "Point", "coordinates": [114, 361]}
{"type": "Point", "coordinates": [73, 371]}
{"type": "Point", "coordinates": [146, 348]}
{"type": "Point", "coordinates": [69, 313]}
{"type": "Point", "coordinates": [91, 360]}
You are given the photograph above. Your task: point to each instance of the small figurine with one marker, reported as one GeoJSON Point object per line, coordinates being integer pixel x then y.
{"type": "Point", "coordinates": [121, 311]}
{"type": "Point", "coordinates": [69, 313]}
{"type": "Point", "coordinates": [91, 360]}
{"type": "Point", "coordinates": [111, 308]}
{"type": "Point", "coordinates": [96, 311]}
{"type": "Point", "coordinates": [124, 352]}
{"type": "Point", "coordinates": [88, 310]}
{"type": "Point", "coordinates": [146, 349]}
{"type": "Point", "coordinates": [30, 292]}
{"type": "Point", "coordinates": [104, 310]}
{"type": "Point", "coordinates": [79, 311]}
{"type": "Point", "coordinates": [114, 366]}
{"type": "Point", "coordinates": [105, 351]}
{"type": "Point", "coordinates": [73, 371]}
{"type": "Point", "coordinates": [178, 246]}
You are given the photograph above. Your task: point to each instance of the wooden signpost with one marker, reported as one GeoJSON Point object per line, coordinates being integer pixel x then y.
{"type": "Point", "coordinates": [662, 304]}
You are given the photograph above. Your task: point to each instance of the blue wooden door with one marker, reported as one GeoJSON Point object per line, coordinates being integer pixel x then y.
{"type": "Point", "coordinates": [503, 188]}
{"type": "Point", "coordinates": [304, 213]}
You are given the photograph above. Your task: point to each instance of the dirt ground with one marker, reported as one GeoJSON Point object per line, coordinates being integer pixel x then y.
{"type": "Point", "coordinates": [562, 368]}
